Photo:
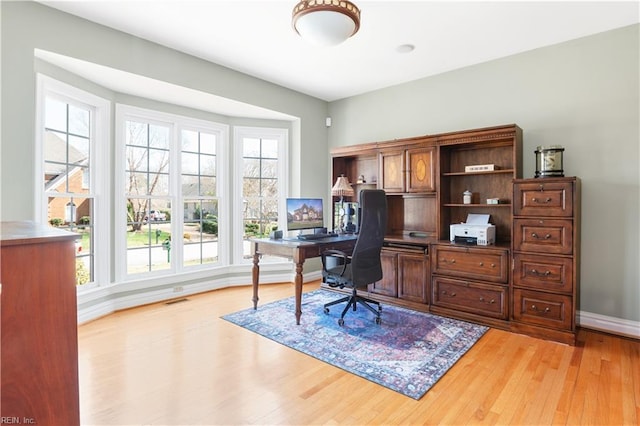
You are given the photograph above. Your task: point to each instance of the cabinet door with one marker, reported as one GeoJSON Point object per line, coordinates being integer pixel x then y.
{"type": "Point", "coordinates": [421, 170]}
{"type": "Point", "coordinates": [392, 171]}
{"type": "Point", "coordinates": [413, 273]}
{"type": "Point", "coordinates": [388, 285]}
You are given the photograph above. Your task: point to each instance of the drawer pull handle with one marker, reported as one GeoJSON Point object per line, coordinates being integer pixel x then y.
{"type": "Point", "coordinates": [535, 308]}
{"type": "Point", "coordinates": [452, 294]}
{"type": "Point", "coordinates": [540, 274]}
{"type": "Point", "coordinates": [490, 302]}
{"type": "Point", "coordinates": [481, 263]}
{"type": "Point", "coordinates": [452, 261]}
{"type": "Point", "coordinates": [536, 200]}
{"type": "Point", "coordinates": [493, 265]}
{"type": "Point", "coordinates": [546, 237]}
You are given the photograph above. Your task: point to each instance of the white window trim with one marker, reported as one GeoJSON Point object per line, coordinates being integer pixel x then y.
{"type": "Point", "coordinates": [176, 124]}
{"type": "Point", "coordinates": [224, 232]}
{"type": "Point", "coordinates": [100, 139]}
{"type": "Point", "coordinates": [282, 136]}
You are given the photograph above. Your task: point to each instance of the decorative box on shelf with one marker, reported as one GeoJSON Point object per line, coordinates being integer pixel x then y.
{"type": "Point", "coordinates": [481, 168]}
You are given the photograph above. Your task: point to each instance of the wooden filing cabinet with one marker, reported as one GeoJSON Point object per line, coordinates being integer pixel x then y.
{"type": "Point", "coordinates": [470, 282]}
{"type": "Point", "coordinates": [546, 230]}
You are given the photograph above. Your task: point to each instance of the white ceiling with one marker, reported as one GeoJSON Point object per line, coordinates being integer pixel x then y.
{"type": "Point", "coordinates": [256, 37]}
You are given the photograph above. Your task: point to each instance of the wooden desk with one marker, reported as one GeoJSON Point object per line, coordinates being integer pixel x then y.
{"type": "Point", "coordinates": [298, 251]}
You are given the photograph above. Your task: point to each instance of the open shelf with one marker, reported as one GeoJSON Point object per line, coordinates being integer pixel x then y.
{"type": "Point", "coordinates": [491, 172]}
{"type": "Point", "coordinates": [477, 205]}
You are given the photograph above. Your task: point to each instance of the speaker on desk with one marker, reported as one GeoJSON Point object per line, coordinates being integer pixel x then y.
{"type": "Point", "coordinates": [276, 235]}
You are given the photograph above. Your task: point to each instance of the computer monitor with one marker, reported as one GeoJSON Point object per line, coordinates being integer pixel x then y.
{"type": "Point", "coordinates": [304, 213]}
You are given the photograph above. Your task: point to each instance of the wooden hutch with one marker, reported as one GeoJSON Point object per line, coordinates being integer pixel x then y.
{"type": "Point", "coordinates": [425, 178]}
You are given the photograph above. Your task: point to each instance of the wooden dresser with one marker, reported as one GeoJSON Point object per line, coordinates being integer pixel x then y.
{"type": "Point", "coordinates": [546, 231]}
{"type": "Point", "coordinates": [39, 337]}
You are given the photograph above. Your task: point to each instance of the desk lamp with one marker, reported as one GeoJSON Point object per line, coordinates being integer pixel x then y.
{"type": "Point", "coordinates": [341, 188]}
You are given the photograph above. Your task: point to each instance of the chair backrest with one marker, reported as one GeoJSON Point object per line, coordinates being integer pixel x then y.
{"type": "Point", "coordinates": [365, 259]}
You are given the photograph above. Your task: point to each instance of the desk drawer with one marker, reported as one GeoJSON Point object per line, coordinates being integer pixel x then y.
{"type": "Point", "coordinates": [550, 236]}
{"type": "Point", "coordinates": [477, 298]}
{"type": "Point", "coordinates": [486, 264]}
{"type": "Point", "coordinates": [550, 273]}
{"type": "Point", "coordinates": [549, 310]}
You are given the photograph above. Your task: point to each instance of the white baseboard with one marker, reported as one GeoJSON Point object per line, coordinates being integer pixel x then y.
{"type": "Point", "coordinates": [104, 301]}
{"type": "Point", "coordinates": [112, 302]}
{"type": "Point", "coordinates": [609, 324]}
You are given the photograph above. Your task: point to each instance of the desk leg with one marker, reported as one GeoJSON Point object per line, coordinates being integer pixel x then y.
{"type": "Point", "coordinates": [298, 283]}
{"type": "Point", "coordinates": [255, 272]}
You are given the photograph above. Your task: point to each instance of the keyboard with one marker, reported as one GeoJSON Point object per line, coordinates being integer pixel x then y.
{"type": "Point", "coordinates": [311, 237]}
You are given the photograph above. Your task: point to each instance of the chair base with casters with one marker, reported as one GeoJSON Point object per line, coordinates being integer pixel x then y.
{"type": "Point", "coordinates": [352, 301]}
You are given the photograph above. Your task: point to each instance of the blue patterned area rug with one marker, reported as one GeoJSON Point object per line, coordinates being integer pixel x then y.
{"type": "Point", "coordinates": [408, 352]}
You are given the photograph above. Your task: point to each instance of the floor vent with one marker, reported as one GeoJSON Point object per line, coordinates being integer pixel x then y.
{"type": "Point", "coordinates": [171, 302]}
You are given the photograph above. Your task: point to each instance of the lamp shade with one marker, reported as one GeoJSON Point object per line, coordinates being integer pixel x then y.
{"type": "Point", "coordinates": [326, 22]}
{"type": "Point", "coordinates": [342, 187]}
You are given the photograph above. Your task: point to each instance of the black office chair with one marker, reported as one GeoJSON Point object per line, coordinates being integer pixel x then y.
{"type": "Point", "coordinates": [363, 267]}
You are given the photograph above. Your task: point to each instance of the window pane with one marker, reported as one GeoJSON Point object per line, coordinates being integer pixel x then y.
{"type": "Point", "coordinates": [136, 133]}
{"type": "Point", "coordinates": [251, 147]}
{"type": "Point", "coordinates": [200, 232]}
{"type": "Point", "coordinates": [158, 136]}
{"type": "Point", "coordinates": [148, 235]}
{"type": "Point", "coordinates": [190, 163]}
{"type": "Point", "coordinates": [78, 150]}
{"type": "Point", "coordinates": [190, 186]}
{"type": "Point", "coordinates": [55, 115]}
{"type": "Point", "coordinates": [136, 183]}
{"type": "Point", "coordinates": [207, 143]}
{"type": "Point", "coordinates": [269, 148]}
{"type": "Point", "coordinates": [208, 186]}
{"type": "Point", "coordinates": [251, 188]}
{"type": "Point", "coordinates": [251, 168]}
{"type": "Point", "coordinates": [269, 188]}
{"type": "Point", "coordinates": [78, 121]}
{"type": "Point", "coordinates": [66, 155]}
{"type": "Point", "coordinates": [55, 146]}
{"type": "Point", "coordinates": [158, 160]}
{"type": "Point", "coordinates": [158, 184]}
{"type": "Point", "coordinates": [207, 165]}
{"type": "Point", "coordinates": [137, 159]}
{"type": "Point", "coordinates": [189, 141]}
{"type": "Point", "coordinates": [269, 168]}
{"type": "Point", "coordinates": [76, 215]}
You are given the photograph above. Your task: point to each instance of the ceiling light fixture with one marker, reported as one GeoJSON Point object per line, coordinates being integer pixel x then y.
{"type": "Point", "coordinates": [326, 22]}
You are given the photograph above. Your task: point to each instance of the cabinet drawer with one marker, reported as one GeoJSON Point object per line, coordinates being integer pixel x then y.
{"type": "Point", "coordinates": [552, 236]}
{"type": "Point", "coordinates": [550, 273]}
{"type": "Point", "coordinates": [476, 263]}
{"type": "Point", "coordinates": [549, 310]}
{"type": "Point", "coordinates": [483, 299]}
{"type": "Point", "coordinates": [543, 199]}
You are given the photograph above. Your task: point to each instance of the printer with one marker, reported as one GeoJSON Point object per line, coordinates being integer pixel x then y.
{"type": "Point", "coordinates": [476, 230]}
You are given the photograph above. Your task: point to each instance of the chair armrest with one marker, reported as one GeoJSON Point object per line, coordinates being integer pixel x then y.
{"type": "Point", "coordinates": [335, 253]}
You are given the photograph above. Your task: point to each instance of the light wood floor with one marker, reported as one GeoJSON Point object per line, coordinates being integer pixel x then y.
{"type": "Point", "coordinates": [179, 364]}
